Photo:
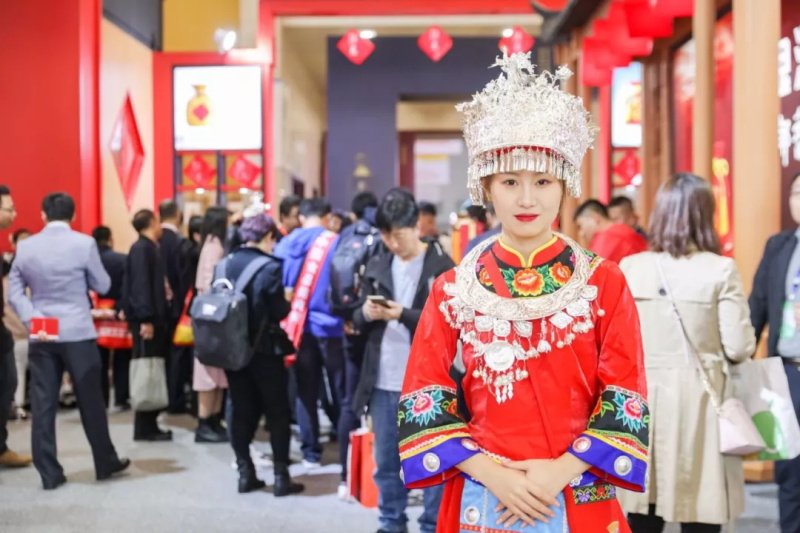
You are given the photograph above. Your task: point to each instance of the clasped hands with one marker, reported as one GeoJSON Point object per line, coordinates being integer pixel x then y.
{"type": "Point", "coordinates": [528, 489]}
{"type": "Point", "coordinates": [375, 311]}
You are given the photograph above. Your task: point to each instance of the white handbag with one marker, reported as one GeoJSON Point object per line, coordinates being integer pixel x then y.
{"type": "Point", "coordinates": [738, 434]}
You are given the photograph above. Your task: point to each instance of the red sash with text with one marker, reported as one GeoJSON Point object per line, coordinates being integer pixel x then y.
{"type": "Point", "coordinates": [295, 323]}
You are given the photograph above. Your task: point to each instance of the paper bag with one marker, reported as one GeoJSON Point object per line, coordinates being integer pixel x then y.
{"type": "Point", "coordinates": [360, 467]}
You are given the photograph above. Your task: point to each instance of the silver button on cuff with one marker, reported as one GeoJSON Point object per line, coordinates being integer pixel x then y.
{"type": "Point", "coordinates": [472, 515]}
{"type": "Point", "coordinates": [431, 462]}
{"type": "Point", "coordinates": [582, 444]}
{"type": "Point", "coordinates": [623, 465]}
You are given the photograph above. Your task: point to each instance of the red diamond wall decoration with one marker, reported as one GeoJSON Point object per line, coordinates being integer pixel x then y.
{"type": "Point", "coordinates": [127, 151]}
{"type": "Point", "coordinates": [435, 42]}
{"type": "Point", "coordinates": [244, 171]}
{"type": "Point", "coordinates": [354, 47]}
{"type": "Point", "coordinates": [628, 167]}
{"type": "Point", "coordinates": [518, 41]}
{"type": "Point", "coordinates": [200, 172]}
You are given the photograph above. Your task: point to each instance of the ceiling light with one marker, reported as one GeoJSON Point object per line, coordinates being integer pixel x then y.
{"type": "Point", "coordinates": [368, 34]}
{"type": "Point", "coordinates": [225, 39]}
{"type": "Point", "coordinates": [508, 32]}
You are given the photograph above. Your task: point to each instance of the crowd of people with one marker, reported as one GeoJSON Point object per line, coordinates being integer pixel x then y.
{"type": "Point", "coordinates": [553, 375]}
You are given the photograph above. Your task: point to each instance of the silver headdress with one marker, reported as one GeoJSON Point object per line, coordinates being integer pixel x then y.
{"type": "Point", "coordinates": [525, 121]}
{"type": "Point", "coordinates": [256, 206]}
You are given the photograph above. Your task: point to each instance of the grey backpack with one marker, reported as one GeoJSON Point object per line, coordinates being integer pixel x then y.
{"type": "Point", "coordinates": [220, 321]}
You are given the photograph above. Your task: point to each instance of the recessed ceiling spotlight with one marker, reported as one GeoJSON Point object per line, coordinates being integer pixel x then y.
{"type": "Point", "coordinates": [225, 39]}
{"type": "Point", "coordinates": [368, 34]}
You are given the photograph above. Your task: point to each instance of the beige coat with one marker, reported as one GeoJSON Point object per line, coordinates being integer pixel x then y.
{"type": "Point", "coordinates": [689, 480]}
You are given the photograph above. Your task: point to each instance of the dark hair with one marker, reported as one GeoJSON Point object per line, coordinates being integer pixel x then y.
{"type": "Point", "coordinates": [4, 190]}
{"type": "Point", "coordinates": [19, 233]}
{"type": "Point", "coordinates": [361, 202]}
{"type": "Point", "coordinates": [315, 207]}
{"type": "Point", "coordinates": [477, 213]}
{"type": "Point", "coordinates": [143, 219]}
{"type": "Point", "coordinates": [591, 206]}
{"type": "Point", "coordinates": [58, 206]}
{"type": "Point", "coordinates": [397, 210]}
{"type": "Point", "coordinates": [215, 223]}
{"type": "Point", "coordinates": [168, 209]}
{"type": "Point", "coordinates": [621, 201]}
{"type": "Point", "coordinates": [195, 225]}
{"type": "Point", "coordinates": [101, 235]}
{"type": "Point", "coordinates": [683, 217]}
{"type": "Point", "coordinates": [427, 208]}
{"type": "Point", "coordinates": [255, 228]}
{"type": "Point", "coordinates": [287, 204]}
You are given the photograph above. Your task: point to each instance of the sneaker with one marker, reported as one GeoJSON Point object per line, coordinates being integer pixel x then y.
{"type": "Point", "coordinates": [311, 465]}
{"type": "Point", "coordinates": [343, 492]}
{"type": "Point", "coordinates": [260, 459]}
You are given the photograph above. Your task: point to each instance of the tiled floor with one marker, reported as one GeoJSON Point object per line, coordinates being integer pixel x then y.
{"type": "Point", "coordinates": [184, 487]}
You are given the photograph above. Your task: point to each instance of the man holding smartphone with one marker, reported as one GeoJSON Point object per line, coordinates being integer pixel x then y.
{"type": "Point", "coordinates": [396, 285]}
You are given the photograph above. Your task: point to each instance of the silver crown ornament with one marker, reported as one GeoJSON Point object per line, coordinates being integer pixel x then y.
{"type": "Point", "coordinates": [525, 121]}
{"type": "Point", "coordinates": [256, 205]}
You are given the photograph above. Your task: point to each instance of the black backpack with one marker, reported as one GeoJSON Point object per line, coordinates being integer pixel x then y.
{"type": "Point", "coordinates": [220, 318]}
{"type": "Point", "coordinates": [348, 263]}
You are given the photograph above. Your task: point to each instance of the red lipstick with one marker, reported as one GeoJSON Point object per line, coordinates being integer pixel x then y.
{"type": "Point", "coordinates": [526, 217]}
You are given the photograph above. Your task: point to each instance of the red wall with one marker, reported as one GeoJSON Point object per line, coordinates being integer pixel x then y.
{"type": "Point", "coordinates": [48, 105]}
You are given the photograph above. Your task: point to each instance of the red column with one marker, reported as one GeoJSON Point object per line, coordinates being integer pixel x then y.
{"type": "Point", "coordinates": [49, 138]}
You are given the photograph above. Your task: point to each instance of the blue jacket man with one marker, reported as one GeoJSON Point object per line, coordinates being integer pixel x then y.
{"type": "Point", "coordinates": [321, 345]}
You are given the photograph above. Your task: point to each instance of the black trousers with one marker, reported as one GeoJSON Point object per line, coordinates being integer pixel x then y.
{"type": "Point", "coordinates": [262, 387]}
{"type": "Point", "coordinates": [314, 355]}
{"type": "Point", "coordinates": [354, 347]}
{"type": "Point", "coordinates": [787, 473]}
{"type": "Point", "coordinates": [650, 523]}
{"type": "Point", "coordinates": [47, 361]}
{"type": "Point", "coordinates": [181, 369]}
{"type": "Point", "coordinates": [8, 385]}
{"type": "Point", "coordinates": [119, 361]}
{"type": "Point", "coordinates": [144, 422]}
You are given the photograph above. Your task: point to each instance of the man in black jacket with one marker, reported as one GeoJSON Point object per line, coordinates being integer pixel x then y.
{"type": "Point", "coordinates": [114, 263]}
{"type": "Point", "coordinates": [403, 278]}
{"type": "Point", "coordinates": [172, 250]}
{"type": "Point", "coordinates": [775, 302]}
{"type": "Point", "coordinates": [146, 307]}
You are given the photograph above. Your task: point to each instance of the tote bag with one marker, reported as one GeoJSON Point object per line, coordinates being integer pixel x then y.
{"type": "Point", "coordinates": [762, 387]}
{"type": "Point", "coordinates": [148, 382]}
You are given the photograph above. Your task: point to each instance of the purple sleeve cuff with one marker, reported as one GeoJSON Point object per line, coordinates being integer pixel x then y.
{"type": "Point", "coordinates": [434, 465]}
{"type": "Point", "coordinates": [610, 463]}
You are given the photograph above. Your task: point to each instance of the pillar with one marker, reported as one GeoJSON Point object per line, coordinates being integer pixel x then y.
{"type": "Point", "coordinates": [756, 169]}
{"type": "Point", "coordinates": [50, 136]}
{"type": "Point", "coordinates": [705, 15]}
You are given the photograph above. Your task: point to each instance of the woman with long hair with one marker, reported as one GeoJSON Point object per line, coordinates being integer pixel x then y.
{"type": "Point", "coordinates": [210, 383]}
{"type": "Point", "coordinates": [554, 416]}
{"type": "Point", "coordinates": [691, 482]}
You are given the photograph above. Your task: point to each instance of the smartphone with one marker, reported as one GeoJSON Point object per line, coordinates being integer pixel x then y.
{"type": "Point", "coordinates": [378, 299]}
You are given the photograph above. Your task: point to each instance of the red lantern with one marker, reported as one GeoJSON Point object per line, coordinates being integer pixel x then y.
{"type": "Point", "coordinates": [518, 41]}
{"type": "Point", "coordinates": [354, 47]}
{"type": "Point", "coordinates": [435, 42]}
{"type": "Point", "coordinates": [550, 5]}
{"type": "Point", "coordinates": [644, 22]}
{"type": "Point", "coordinates": [604, 30]}
{"type": "Point", "coordinates": [596, 64]}
{"type": "Point", "coordinates": [618, 36]}
{"type": "Point", "coordinates": [673, 8]}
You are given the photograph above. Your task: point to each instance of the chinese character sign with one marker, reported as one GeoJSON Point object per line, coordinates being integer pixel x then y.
{"type": "Point", "coordinates": [789, 92]}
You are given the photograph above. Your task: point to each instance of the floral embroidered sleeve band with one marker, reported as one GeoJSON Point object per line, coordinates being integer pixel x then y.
{"type": "Point", "coordinates": [616, 440]}
{"type": "Point", "coordinates": [433, 437]}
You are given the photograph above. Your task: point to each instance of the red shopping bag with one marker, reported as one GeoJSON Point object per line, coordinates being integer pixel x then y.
{"type": "Point", "coordinates": [360, 467]}
{"type": "Point", "coordinates": [112, 334]}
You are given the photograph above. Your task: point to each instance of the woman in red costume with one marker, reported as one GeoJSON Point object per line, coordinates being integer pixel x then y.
{"type": "Point", "coordinates": [554, 416]}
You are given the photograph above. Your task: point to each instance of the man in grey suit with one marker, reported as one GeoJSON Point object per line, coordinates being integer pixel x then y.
{"type": "Point", "coordinates": [59, 266]}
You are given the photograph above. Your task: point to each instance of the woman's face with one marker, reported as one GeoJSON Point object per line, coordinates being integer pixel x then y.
{"type": "Point", "coordinates": [526, 202]}
{"type": "Point", "coordinates": [794, 200]}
